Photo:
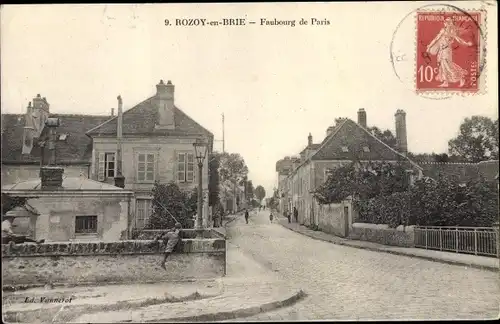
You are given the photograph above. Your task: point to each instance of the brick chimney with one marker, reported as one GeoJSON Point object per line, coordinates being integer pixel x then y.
{"type": "Point", "coordinates": [401, 140]}
{"type": "Point", "coordinates": [40, 113]}
{"type": "Point", "coordinates": [29, 130]}
{"type": "Point", "coordinates": [119, 178]}
{"type": "Point", "coordinates": [362, 118]}
{"type": "Point", "coordinates": [309, 140]}
{"type": "Point", "coordinates": [164, 101]}
{"type": "Point", "coordinates": [51, 177]}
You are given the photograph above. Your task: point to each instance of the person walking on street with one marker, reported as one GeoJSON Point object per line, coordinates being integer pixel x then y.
{"type": "Point", "coordinates": [271, 216]}
{"type": "Point", "coordinates": [295, 214]}
{"type": "Point", "coordinates": [246, 215]}
{"type": "Point", "coordinates": [171, 238]}
{"type": "Point", "coordinates": [289, 216]}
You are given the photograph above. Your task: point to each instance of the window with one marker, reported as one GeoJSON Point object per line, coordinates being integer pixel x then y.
{"type": "Point", "coordinates": [185, 167]}
{"type": "Point", "coordinates": [345, 149]}
{"type": "Point", "coordinates": [107, 166]}
{"type": "Point", "coordinates": [146, 167]}
{"type": "Point", "coordinates": [86, 225]}
{"type": "Point", "coordinates": [328, 172]}
{"type": "Point", "coordinates": [366, 149]}
{"type": "Point", "coordinates": [143, 212]}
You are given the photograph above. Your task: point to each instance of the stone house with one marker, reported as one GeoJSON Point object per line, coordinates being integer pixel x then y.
{"type": "Point", "coordinates": [152, 141]}
{"type": "Point", "coordinates": [74, 209]}
{"type": "Point", "coordinates": [344, 143]}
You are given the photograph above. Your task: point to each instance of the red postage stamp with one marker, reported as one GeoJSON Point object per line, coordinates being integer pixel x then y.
{"type": "Point", "coordinates": [448, 51]}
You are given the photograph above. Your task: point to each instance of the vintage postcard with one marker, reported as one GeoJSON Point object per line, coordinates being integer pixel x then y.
{"type": "Point", "coordinates": [249, 162]}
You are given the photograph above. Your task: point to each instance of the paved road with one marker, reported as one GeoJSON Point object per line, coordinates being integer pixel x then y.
{"type": "Point", "coordinates": [348, 283]}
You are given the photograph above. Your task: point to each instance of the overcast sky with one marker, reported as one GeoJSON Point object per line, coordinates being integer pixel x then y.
{"type": "Point", "coordinates": [275, 84]}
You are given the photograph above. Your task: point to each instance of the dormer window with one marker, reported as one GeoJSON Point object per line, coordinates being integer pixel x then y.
{"type": "Point", "coordinates": [366, 149]}
{"type": "Point", "coordinates": [63, 137]}
{"type": "Point", "coordinates": [345, 149]}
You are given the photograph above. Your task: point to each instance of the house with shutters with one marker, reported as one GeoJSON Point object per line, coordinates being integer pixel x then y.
{"type": "Point", "coordinates": [344, 143]}
{"type": "Point", "coordinates": [151, 141]}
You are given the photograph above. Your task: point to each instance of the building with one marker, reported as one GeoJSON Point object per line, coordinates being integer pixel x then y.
{"type": "Point", "coordinates": [61, 208]}
{"type": "Point", "coordinates": [152, 141]}
{"type": "Point", "coordinates": [345, 142]}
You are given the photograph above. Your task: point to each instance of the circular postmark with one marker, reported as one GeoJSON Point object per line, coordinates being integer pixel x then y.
{"type": "Point", "coordinates": [439, 50]}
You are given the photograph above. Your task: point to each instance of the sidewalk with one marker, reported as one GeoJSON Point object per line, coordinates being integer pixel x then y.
{"type": "Point", "coordinates": [481, 262]}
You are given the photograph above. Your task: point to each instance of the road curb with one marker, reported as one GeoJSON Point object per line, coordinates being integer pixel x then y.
{"type": "Point", "coordinates": [239, 313]}
{"type": "Point", "coordinates": [459, 263]}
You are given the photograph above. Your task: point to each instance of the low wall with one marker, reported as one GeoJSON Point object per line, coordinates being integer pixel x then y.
{"type": "Point", "coordinates": [111, 262]}
{"type": "Point", "coordinates": [382, 234]}
{"type": "Point", "coordinates": [188, 233]}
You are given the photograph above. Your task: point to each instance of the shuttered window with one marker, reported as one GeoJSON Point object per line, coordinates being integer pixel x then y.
{"type": "Point", "coordinates": [86, 224]}
{"type": "Point", "coordinates": [146, 167]}
{"type": "Point", "coordinates": [185, 167]}
{"type": "Point", "coordinates": [106, 165]}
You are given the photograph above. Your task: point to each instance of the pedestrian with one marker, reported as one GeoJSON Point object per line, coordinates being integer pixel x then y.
{"type": "Point", "coordinates": [260, 206]}
{"type": "Point", "coordinates": [271, 216]}
{"type": "Point", "coordinates": [171, 239]}
{"type": "Point", "coordinates": [289, 216]}
{"type": "Point", "coordinates": [9, 237]}
{"type": "Point", "coordinates": [246, 215]}
{"type": "Point", "coordinates": [295, 214]}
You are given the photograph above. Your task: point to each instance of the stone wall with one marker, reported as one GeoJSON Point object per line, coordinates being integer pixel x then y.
{"type": "Point", "coordinates": [113, 262]}
{"type": "Point", "coordinates": [15, 173]}
{"type": "Point", "coordinates": [382, 234]}
{"type": "Point", "coordinates": [332, 218]}
{"type": "Point", "coordinates": [151, 234]}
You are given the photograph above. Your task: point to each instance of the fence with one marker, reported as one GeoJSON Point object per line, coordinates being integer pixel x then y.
{"type": "Point", "coordinates": [471, 240]}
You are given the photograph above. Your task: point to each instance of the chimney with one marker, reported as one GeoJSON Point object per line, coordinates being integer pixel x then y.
{"type": "Point", "coordinates": [112, 111]}
{"type": "Point", "coordinates": [309, 140]}
{"type": "Point", "coordinates": [29, 130]}
{"type": "Point", "coordinates": [40, 112]}
{"type": "Point", "coordinates": [119, 178]}
{"type": "Point", "coordinates": [329, 130]}
{"type": "Point", "coordinates": [165, 104]}
{"type": "Point", "coordinates": [51, 177]}
{"type": "Point", "coordinates": [401, 140]}
{"type": "Point", "coordinates": [362, 118]}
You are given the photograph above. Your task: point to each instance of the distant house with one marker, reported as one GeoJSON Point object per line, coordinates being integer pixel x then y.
{"type": "Point", "coordinates": [156, 145]}
{"type": "Point", "coordinates": [344, 143]}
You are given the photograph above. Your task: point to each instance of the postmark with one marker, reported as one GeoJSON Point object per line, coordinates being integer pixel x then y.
{"type": "Point", "coordinates": [447, 56]}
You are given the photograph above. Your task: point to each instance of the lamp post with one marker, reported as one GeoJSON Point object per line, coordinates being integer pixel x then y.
{"type": "Point", "coordinates": [200, 149]}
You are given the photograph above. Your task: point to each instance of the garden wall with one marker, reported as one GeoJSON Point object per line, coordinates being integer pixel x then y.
{"type": "Point", "coordinates": [382, 234]}
{"type": "Point", "coordinates": [111, 262]}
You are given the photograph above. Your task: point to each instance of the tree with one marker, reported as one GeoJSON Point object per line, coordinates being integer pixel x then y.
{"type": "Point", "coordinates": [477, 139]}
{"type": "Point", "coordinates": [169, 200]}
{"type": "Point", "coordinates": [260, 193]}
{"type": "Point", "coordinates": [249, 190]}
{"type": "Point", "coordinates": [232, 167]}
{"type": "Point", "coordinates": [385, 136]}
{"type": "Point", "coordinates": [213, 179]}
{"type": "Point", "coordinates": [10, 202]}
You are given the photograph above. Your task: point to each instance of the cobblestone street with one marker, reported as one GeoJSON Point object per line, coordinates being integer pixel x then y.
{"type": "Point", "coordinates": [345, 283]}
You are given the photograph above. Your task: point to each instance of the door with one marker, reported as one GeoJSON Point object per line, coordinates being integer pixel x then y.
{"type": "Point", "coordinates": [346, 221]}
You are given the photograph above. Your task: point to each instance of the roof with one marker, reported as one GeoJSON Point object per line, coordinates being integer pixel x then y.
{"type": "Point", "coordinates": [69, 183]}
{"type": "Point", "coordinates": [461, 172]}
{"type": "Point", "coordinates": [77, 147]}
{"type": "Point", "coordinates": [355, 138]}
{"type": "Point", "coordinates": [141, 120]}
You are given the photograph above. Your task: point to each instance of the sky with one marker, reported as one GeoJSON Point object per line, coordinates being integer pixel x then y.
{"type": "Point", "coordinates": [274, 84]}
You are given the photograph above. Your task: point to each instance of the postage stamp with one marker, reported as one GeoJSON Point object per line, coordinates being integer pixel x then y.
{"type": "Point", "coordinates": [449, 51]}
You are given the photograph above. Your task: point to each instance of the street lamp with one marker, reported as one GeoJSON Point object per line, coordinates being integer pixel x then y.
{"type": "Point", "coordinates": [200, 149]}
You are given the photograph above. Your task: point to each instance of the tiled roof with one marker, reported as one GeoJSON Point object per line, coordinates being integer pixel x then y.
{"type": "Point", "coordinates": [69, 183]}
{"type": "Point", "coordinates": [141, 120]}
{"type": "Point", "coordinates": [461, 172]}
{"type": "Point", "coordinates": [350, 135]}
{"type": "Point", "coordinates": [76, 148]}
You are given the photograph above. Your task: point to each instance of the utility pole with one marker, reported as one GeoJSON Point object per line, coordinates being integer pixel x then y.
{"type": "Point", "coordinates": [223, 142]}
